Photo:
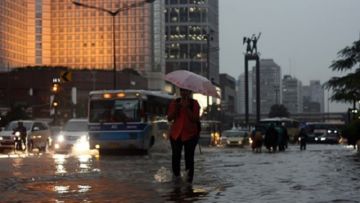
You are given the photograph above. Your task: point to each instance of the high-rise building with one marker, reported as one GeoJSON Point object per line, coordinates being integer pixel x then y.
{"type": "Point", "coordinates": [270, 85]}
{"type": "Point", "coordinates": [13, 34]}
{"type": "Point", "coordinates": [59, 33]}
{"type": "Point", "coordinates": [240, 92]}
{"type": "Point", "coordinates": [192, 25]}
{"type": "Point", "coordinates": [292, 97]}
{"type": "Point", "coordinates": [228, 93]}
{"type": "Point", "coordinates": [313, 96]}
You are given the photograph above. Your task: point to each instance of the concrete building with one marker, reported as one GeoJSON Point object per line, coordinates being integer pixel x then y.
{"type": "Point", "coordinates": [313, 97]}
{"type": "Point", "coordinates": [228, 99]}
{"type": "Point", "coordinates": [192, 25]}
{"type": "Point", "coordinates": [228, 93]}
{"type": "Point", "coordinates": [270, 86]}
{"type": "Point", "coordinates": [58, 33]}
{"type": "Point", "coordinates": [292, 97]}
{"type": "Point", "coordinates": [240, 93]}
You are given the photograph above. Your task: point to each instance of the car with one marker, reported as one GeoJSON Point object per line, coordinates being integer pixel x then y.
{"type": "Point", "coordinates": [38, 135]}
{"type": "Point", "coordinates": [322, 132]}
{"type": "Point", "coordinates": [74, 136]}
{"type": "Point", "coordinates": [234, 137]}
{"type": "Point", "coordinates": [328, 136]}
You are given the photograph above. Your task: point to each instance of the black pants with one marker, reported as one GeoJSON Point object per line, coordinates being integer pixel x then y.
{"type": "Point", "coordinates": [189, 147]}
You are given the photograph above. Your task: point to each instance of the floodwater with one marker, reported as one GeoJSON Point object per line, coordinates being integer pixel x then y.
{"type": "Point", "coordinates": [322, 173]}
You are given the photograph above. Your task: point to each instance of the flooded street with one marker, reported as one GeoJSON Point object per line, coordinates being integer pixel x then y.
{"type": "Point", "coordinates": [322, 173]}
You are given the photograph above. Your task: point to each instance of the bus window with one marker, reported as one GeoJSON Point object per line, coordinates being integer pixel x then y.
{"type": "Point", "coordinates": [114, 111]}
{"type": "Point", "coordinates": [127, 110]}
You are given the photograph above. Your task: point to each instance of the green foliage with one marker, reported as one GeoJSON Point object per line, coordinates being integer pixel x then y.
{"type": "Point", "coordinates": [352, 132]}
{"type": "Point", "coordinates": [16, 112]}
{"type": "Point", "coordinates": [346, 88]}
{"type": "Point", "coordinates": [278, 110]}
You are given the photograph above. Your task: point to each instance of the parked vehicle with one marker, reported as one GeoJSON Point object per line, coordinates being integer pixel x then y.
{"type": "Point", "coordinates": [38, 135]}
{"type": "Point", "coordinates": [74, 135]}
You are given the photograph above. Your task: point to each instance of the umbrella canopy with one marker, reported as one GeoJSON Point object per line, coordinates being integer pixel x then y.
{"type": "Point", "coordinates": [192, 81]}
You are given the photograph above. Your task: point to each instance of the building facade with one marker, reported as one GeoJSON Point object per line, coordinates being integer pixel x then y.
{"type": "Point", "coordinates": [13, 34]}
{"type": "Point", "coordinates": [313, 97]}
{"type": "Point", "coordinates": [59, 33]}
{"type": "Point", "coordinates": [292, 97]}
{"type": "Point", "coordinates": [192, 37]}
{"type": "Point", "coordinates": [270, 86]}
{"type": "Point", "coordinates": [240, 93]}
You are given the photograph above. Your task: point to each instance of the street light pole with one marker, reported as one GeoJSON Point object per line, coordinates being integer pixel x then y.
{"type": "Point", "coordinates": [114, 52]}
{"type": "Point", "coordinates": [113, 14]}
{"type": "Point", "coordinates": [208, 67]}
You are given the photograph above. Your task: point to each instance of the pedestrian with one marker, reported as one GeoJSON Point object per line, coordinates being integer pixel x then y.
{"type": "Point", "coordinates": [302, 139]}
{"type": "Point", "coordinates": [22, 130]}
{"type": "Point", "coordinates": [271, 138]}
{"type": "Point", "coordinates": [184, 132]}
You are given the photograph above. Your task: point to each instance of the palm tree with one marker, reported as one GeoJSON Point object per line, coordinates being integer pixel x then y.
{"type": "Point", "coordinates": [346, 88]}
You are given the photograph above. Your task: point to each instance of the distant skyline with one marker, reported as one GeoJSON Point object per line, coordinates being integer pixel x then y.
{"type": "Point", "coordinates": [303, 37]}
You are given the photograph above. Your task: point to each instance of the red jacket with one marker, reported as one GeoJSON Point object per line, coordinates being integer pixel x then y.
{"type": "Point", "coordinates": [183, 126]}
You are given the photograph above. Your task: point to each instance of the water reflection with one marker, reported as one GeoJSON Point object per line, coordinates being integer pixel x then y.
{"type": "Point", "coordinates": [186, 193]}
{"type": "Point", "coordinates": [61, 189]}
{"type": "Point", "coordinates": [163, 175]}
{"type": "Point", "coordinates": [60, 160]}
{"type": "Point", "coordinates": [85, 163]}
{"type": "Point", "coordinates": [84, 188]}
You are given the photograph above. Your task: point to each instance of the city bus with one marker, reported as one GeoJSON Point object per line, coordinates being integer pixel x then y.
{"type": "Point", "coordinates": [292, 126]}
{"type": "Point", "coordinates": [125, 119]}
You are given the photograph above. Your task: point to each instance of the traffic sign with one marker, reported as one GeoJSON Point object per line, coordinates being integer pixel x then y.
{"type": "Point", "coordinates": [66, 76]}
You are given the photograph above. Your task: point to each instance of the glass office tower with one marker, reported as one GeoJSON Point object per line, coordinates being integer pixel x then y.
{"type": "Point", "coordinates": [13, 34]}
{"type": "Point", "coordinates": [59, 33]}
{"type": "Point", "coordinates": [192, 25]}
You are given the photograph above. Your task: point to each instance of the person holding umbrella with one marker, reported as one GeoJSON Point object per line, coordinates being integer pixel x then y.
{"type": "Point", "coordinates": [184, 132]}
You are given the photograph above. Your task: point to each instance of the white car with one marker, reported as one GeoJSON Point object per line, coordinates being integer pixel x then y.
{"type": "Point", "coordinates": [234, 137]}
{"type": "Point", "coordinates": [74, 136]}
{"type": "Point", "coordinates": [38, 134]}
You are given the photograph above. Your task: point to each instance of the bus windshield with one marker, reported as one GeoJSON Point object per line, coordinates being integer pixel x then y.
{"type": "Point", "coordinates": [124, 110]}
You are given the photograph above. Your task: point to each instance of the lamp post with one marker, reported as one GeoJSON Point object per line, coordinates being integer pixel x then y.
{"type": "Point", "coordinates": [113, 14]}
{"type": "Point", "coordinates": [209, 37]}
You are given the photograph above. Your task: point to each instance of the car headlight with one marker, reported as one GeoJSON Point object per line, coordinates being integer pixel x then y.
{"type": "Point", "coordinates": [323, 138]}
{"type": "Point", "coordinates": [329, 131]}
{"type": "Point", "coordinates": [60, 138]}
{"type": "Point", "coordinates": [316, 138]}
{"type": "Point", "coordinates": [335, 131]}
{"type": "Point", "coordinates": [83, 138]}
{"type": "Point", "coordinates": [1, 138]}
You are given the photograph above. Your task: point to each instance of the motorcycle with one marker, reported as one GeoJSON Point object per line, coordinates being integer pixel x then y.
{"type": "Point", "coordinates": [18, 142]}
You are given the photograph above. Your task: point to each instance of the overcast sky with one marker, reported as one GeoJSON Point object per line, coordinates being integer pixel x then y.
{"type": "Point", "coordinates": [302, 36]}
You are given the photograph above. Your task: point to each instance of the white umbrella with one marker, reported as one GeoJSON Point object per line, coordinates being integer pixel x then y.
{"type": "Point", "coordinates": [192, 81]}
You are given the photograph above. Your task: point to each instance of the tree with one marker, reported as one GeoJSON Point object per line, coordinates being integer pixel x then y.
{"type": "Point", "coordinates": [16, 112]}
{"type": "Point", "coordinates": [346, 88]}
{"type": "Point", "coordinates": [278, 110]}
